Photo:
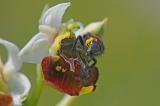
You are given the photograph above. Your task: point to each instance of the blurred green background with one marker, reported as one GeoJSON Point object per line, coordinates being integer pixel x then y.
{"type": "Point", "coordinates": [130, 66]}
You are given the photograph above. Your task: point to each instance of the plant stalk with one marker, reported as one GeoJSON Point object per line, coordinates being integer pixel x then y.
{"type": "Point", "coordinates": [67, 100]}
{"type": "Point", "coordinates": [34, 98]}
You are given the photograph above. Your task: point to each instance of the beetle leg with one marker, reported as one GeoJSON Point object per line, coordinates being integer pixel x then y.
{"type": "Point", "coordinates": [93, 64]}
{"type": "Point", "coordinates": [82, 59]}
{"type": "Point", "coordinates": [79, 38]}
{"type": "Point", "coordinates": [86, 62]}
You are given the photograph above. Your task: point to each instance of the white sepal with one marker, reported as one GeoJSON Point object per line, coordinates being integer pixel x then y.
{"type": "Point", "coordinates": [53, 16]}
{"type": "Point", "coordinates": [19, 86]}
{"type": "Point", "coordinates": [36, 49]}
{"type": "Point", "coordinates": [14, 62]}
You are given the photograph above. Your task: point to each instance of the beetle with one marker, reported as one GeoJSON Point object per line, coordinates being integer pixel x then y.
{"type": "Point", "coordinates": [85, 47]}
{"type": "Point", "coordinates": [71, 66]}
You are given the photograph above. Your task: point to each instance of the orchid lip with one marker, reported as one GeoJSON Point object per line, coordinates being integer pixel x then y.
{"type": "Point", "coordinates": [74, 82]}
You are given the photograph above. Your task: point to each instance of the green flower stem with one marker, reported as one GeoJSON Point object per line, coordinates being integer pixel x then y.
{"type": "Point", "coordinates": [67, 100]}
{"type": "Point", "coordinates": [33, 99]}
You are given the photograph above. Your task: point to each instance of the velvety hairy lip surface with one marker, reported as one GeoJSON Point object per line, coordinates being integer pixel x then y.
{"type": "Point", "coordinates": [58, 74]}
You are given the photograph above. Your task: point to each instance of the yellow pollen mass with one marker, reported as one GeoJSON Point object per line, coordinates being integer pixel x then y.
{"type": "Point", "coordinates": [88, 41]}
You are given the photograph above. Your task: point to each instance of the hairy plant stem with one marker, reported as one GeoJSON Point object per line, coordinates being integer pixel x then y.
{"type": "Point", "coordinates": [33, 99]}
{"type": "Point", "coordinates": [67, 100]}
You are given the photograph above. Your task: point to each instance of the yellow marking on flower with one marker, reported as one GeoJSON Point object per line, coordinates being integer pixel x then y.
{"type": "Point", "coordinates": [65, 34]}
{"type": "Point", "coordinates": [63, 70]}
{"type": "Point", "coordinates": [56, 46]}
{"type": "Point", "coordinates": [58, 68]}
{"type": "Point", "coordinates": [87, 89]}
{"type": "Point", "coordinates": [88, 41]}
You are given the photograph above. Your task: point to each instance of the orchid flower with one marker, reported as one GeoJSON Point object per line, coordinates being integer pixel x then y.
{"type": "Point", "coordinates": [39, 48]}
{"type": "Point", "coordinates": [13, 81]}
{"type": "Point", "coordinates": [50, 25]}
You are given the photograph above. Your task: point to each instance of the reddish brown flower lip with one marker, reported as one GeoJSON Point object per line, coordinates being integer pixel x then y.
{"type": "Point", "coordinates": [58, 74]}
{"type": "Point", "coordinates": [5, 99]}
